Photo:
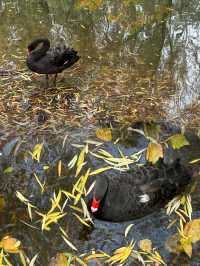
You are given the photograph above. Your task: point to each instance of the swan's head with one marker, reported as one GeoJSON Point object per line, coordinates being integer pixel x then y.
{"type": "Point", "coordinates": [38, 43]}
{"type": "Point", "coordinates": [100, 189]}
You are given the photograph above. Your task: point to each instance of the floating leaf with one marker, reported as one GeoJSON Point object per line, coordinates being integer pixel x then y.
{"type": "Point", "coordinates": [145, 245]}
{"type": "Point", "coordinates": [8, 170]}
{"type": "Point", "coordinates": [186, 244]}
{"type": "Point", "coordinates": [80, 261]}
{"type": "Point", "coordinates": [59, 260]}
{"type": "Point", "coordinates": [72, 162]}
{"type": "Point", "coordinates": [37, 152]}
{"type": "Point", "coordinates": [194, 161]}
{"type": "Point", "coordinates": [100, 170]}
{"type": "Point", "coordinates": [128, 228]}
{"type": "Point", "coordinates": [80, 161]}
{"type": "Point", "coordinates": [104, 134]}
{"type": "Point", "coordinates": [154, 152]}
{"type": "Point", "coordinates": [45, 167]}
{"type": "Point", "coordinates": [10, 244]}
{"type": "Point", "coordinates": [33, 260]}
{"type": "Point", "coordinates": [23, 258]}
{"type": "Point", "coordinates": [188, 234]}
{"type": "Point", "coordinates": [69, 243]}
{"type": "Point", "coordinates": [97, 255]}
{"type": "Point", "coordinates": [81, 220]}
{"type": "Point", "coordinates": [39, 182]}
{"type": "Point", "coordinates": [152, 131]}
{"type": "Point", "coordinates": [192, 230]}
{"type": "Point", "coordinates": [121, 255]}
{"type": "Point", "coordinates": [173, 245]}
{"type": "Point", "coordinates": [155, 258]}
{"type": "Point", "coordinates": [178, 141]}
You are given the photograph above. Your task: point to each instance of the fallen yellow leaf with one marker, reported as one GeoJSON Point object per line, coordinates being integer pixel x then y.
{"type": "Point", "coordinates": [104, 134]}
{"type": "Point", "coordinates": [10, 244]}
{"type": "Point", "coordinates": [154, 152]}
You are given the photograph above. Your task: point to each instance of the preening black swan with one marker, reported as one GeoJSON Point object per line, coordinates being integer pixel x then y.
{"type": "Point", "coordinates": [126, 197]}
{"type": "Point", "coordinates": [46, 60]}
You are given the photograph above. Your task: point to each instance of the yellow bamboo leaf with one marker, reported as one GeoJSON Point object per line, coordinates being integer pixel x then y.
{"type": "Point", "coordinates": [21, 197]}
{"type": "Point", "coordinates": [30, 211]}
{"type": "Point", "coordinates": [76, 208]}
{"type": "Point", "coordinates": [128, 228]}
{"type": "Point", "coordinates": [23, 257]}
{"type": "Point", "coordinates": [69, 243]}
{"type": "Point", "coordinates": [104, 134]}
{"type": "Point", "coordinates": [59, 168]}
{"type": "Point", "coordinates": [36, 153]}
{"type": "Point", "coordinates": [80, 161]}
{"type": "Point", "coordinates": [100, 170]}
{"type": "Point", "coordinates": [39, 182]}
{"type": "Point", "coordinates": [154, 152]}
{"type": "Point", "coordinates": [194, 161]}
{"type": "Point", "coordinates": [81, 220]}
{"type": "Point", "coordinates": [120, 255]}
{"type": "Point", "coordinates": [105, 153]}
{"type": "Point", "coordinates": [80, 186]}
{"type": "Point", "coordinates": [56, 201]}
{"type": "Point", "coordinates": [80, 261]}
{"type": "Point", "coordinates": [68, 194]}
{"type": "Point", "coordinates": [96, 255]}
{"type": "Point", "coordinates": [85, 211]}
{"type": "Point", "coordinates": [72, 162]}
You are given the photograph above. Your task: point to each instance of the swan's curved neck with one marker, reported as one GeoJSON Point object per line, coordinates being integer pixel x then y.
{"type": "Point", "coordinates": [40, 52]}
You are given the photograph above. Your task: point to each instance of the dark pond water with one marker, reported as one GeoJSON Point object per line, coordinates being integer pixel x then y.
{"type": "Point", "coordinates": [139, 61]}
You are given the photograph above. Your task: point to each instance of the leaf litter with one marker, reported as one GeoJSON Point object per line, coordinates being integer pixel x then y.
{"type": "Point", "coordinates": [41, 107]}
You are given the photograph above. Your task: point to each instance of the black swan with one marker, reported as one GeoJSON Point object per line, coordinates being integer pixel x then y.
{"type": "Point", "coordinates": [129, 196]}
{"type": "Point", "coordinates": [46, 60]}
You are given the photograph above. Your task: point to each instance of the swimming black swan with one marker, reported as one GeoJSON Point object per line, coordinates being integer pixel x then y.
{"type": "Point", "coordinates": [46, 60]}
{"type": "Point", "coordinates": [129, 196]}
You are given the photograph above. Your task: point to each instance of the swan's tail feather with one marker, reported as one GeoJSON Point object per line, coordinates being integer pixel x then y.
{"type": "Point", "coordinates": [70, 57]}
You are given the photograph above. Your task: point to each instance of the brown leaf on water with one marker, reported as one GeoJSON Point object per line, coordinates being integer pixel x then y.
{"type": "Point", "coordinates": [173, 245]}
{"type": "Point", "coordinates": [104, 134]}
{"type": "Point", "coordinates": [154, 152]}
{"type": "Point", "coordinates": [145, 245]}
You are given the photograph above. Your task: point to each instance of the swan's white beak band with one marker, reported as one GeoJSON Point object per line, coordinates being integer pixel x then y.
{"type": "Point", "coordinates": [95, 205]}
{"type": "Point", "coordinates": [94, 209]}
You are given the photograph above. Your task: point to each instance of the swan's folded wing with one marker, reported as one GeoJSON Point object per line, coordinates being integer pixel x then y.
{"type": "Point", "coordinates": [61, 55]}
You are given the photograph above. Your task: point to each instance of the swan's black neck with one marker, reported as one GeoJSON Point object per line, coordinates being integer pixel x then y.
{"type": "Point", "coordinates": [38, 53]}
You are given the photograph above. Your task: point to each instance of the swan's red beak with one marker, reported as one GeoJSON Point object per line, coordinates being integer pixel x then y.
{"type": "Point", "coordinates": [95, 205]}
